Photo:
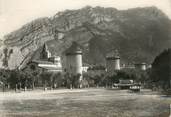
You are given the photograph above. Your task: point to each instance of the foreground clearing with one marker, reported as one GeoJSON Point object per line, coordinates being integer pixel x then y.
{"type": "Point", "coordinates": [84, 103]}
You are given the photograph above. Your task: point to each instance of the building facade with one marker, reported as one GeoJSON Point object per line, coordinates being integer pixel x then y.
{"type": "Point", "coordinates": [140, 66]}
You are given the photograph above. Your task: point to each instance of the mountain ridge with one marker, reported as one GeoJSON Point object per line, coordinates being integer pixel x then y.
{"type": "Point", "coordinates": [132, 32]}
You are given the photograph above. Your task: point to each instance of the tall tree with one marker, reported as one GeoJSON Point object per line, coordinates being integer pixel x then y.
{"type": "Point", "coordinates": [161, 70]}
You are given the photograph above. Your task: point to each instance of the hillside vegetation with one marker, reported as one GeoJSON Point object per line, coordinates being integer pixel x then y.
{"type": "Point", "coordinates": [139, 34]}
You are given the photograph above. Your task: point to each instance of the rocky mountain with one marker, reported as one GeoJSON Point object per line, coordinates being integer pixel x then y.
{"type": "Point", "coordinates": [139, 34]}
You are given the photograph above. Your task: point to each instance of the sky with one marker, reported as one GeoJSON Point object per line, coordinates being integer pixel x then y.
{"type": "Point", "coordinates": [15, 13]}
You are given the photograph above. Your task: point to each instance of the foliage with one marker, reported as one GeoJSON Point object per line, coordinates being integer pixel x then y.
{"type": "Point", "coordinates": [99, 67]}
{"type": "Point", "coordinates": [132, 74]}
{"type": "Point", "coordinates": [94, 80]}
{"type": "Point", "coordinates": [72, 80]}
{"type": "Point", "coordinates": [106, 79]}
{"type": "Point", "coordinates": [161, 70]}
{"type": "Point", "coordinates": [4, 76]}
{"type": "Point", "coordinates": [45, 76]}
{"type": "Point", "coordinates": [57, 79]}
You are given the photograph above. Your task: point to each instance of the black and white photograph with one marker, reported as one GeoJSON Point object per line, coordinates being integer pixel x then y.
{"type": "Point", "coordinates": [85, 58]}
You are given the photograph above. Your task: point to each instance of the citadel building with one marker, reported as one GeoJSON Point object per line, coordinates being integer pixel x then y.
{"type": "Point", "coordinates": [72, 63]}
{"type": "Point", "coordinates": [113, 63]}
{"type": "Point", "coordinates": [47, 62]}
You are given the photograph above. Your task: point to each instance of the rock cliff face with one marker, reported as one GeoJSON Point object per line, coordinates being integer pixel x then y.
{"type": "Point", "coordinates": [138, 34]}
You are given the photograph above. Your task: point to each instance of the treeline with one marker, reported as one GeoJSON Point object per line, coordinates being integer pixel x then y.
{"type": "Point", "coordinates": [15, 79]}
{"type": "Point", "coordinates": [105, 79]}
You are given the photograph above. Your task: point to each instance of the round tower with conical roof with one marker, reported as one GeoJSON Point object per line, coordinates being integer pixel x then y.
{"type": "Point", "coordinates": [74, 59]}
{"type": "Point", "coordinates": [112, 62]}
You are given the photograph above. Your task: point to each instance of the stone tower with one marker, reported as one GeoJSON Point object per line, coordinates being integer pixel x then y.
{"type": "Point", "coordinates": [112, 62]}
{"type": "Point", "coordinates": [74, 59]}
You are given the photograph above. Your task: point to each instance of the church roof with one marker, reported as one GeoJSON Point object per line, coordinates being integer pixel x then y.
{"type": "Point", "coordinates": [143, 63]}
{"type": "Point", "coordinates": [42, 62]}
{"type": "Point", "coordinates": [51, 68]}
{"type": "Point", "coordinates": [55, 47]}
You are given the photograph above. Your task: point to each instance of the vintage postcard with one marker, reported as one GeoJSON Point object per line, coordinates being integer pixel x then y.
{"type": "Point", "coordinates": [85, 58]}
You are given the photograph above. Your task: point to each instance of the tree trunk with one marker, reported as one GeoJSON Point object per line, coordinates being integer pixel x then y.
{"type": "Point", "coordinates": [71, 86]}
{"type": "Point", "coordinates": [20, 86]}
{"type": "Point", "coordinates": [25, 88]}
{"type": "Point", "coordinates": [45, 86]}
{"type": "Point", "coordinates": [33, 85]}
{"type": "Point", "coordinates": [15, 87]}
{"type": "Point", "coordinates": [3, 87]}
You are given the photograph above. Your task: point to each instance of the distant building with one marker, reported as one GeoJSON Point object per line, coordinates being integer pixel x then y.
{"type": "Point", "coordinates": [85, 68]}
{"type": "Point", "coordinates": [56, 60]}
{"type": "Point", "coordinates": [47, 62]}
{"type": "Point", "coordinates": [112, 62]}
{"type": "Point", "coordinates": [128, 66]}
{"type": "Point", "coordinates": [140, 66]}
{"type": "Point", "coordinates": [47, 66]}
{"type": "Point", "coordinates": [149, 66]}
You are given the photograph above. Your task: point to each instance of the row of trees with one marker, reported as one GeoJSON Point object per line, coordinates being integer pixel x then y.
{"type": "Point", "coordinates": [105, 79]}
{"type": "Point", "coordinates": [21, 79]}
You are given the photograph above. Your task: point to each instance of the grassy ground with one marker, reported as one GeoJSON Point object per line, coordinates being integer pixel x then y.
{"type": "Point", "coordinates": [84, 103]}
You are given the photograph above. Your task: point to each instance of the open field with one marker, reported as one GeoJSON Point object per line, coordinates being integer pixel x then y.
{"type": "Point", "coordinates": [84, 103]}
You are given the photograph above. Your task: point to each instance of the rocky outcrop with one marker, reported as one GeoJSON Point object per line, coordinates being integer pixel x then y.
{"type": "Point", "coordinates": [138, 34]}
